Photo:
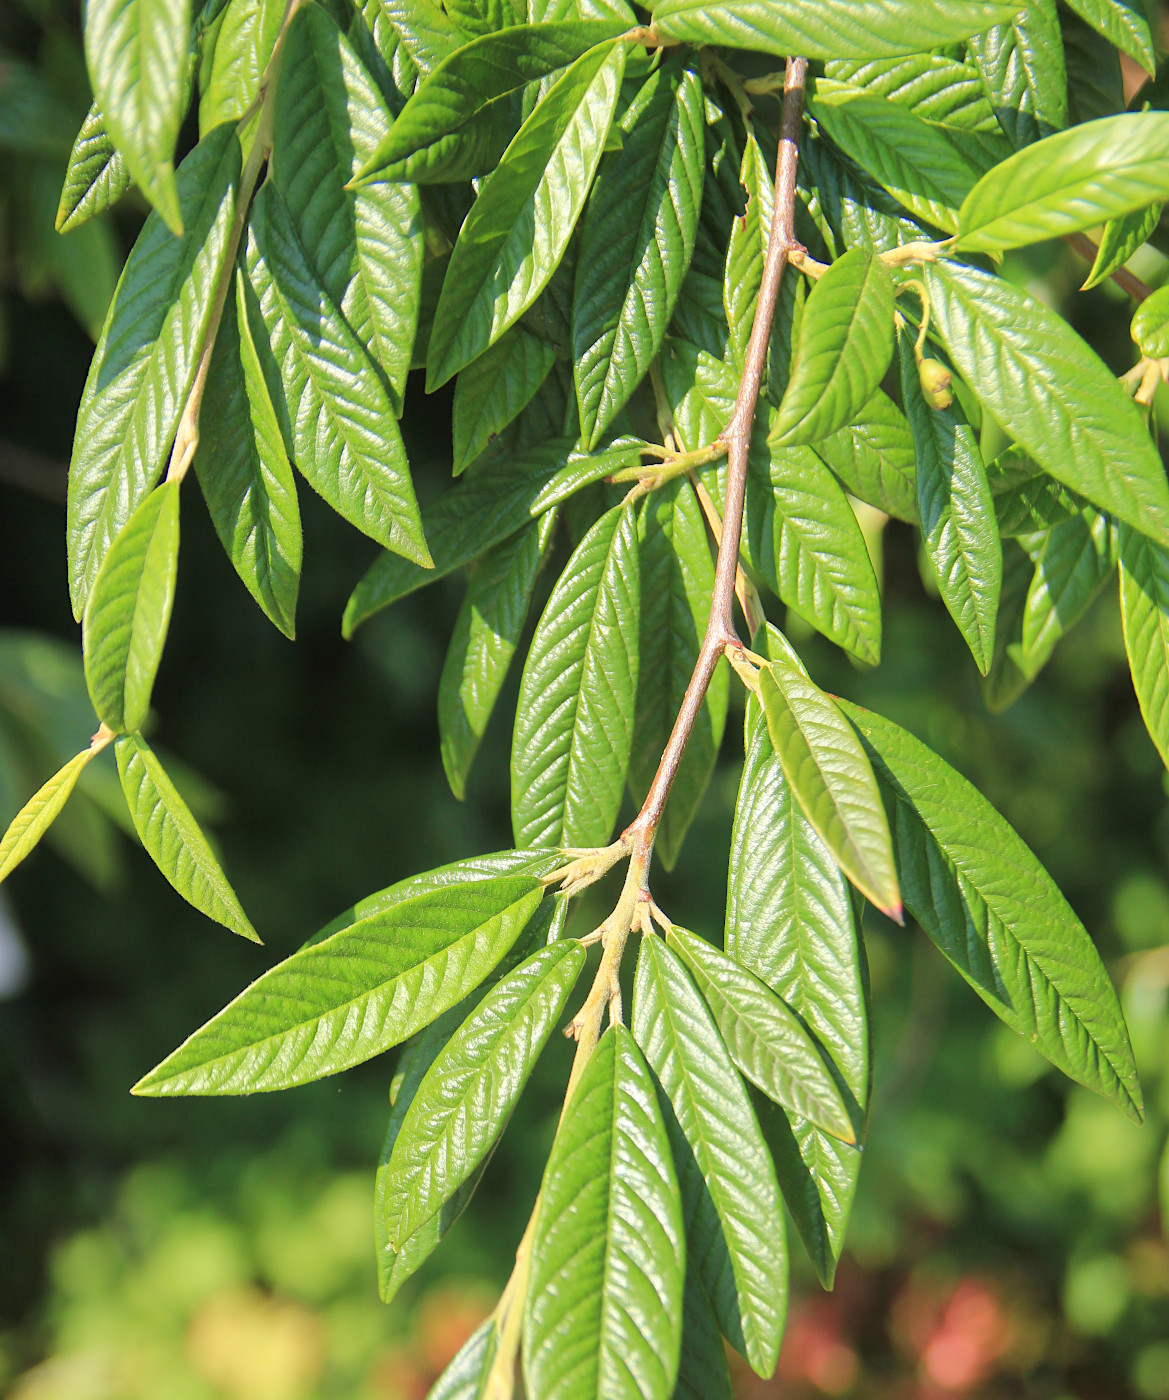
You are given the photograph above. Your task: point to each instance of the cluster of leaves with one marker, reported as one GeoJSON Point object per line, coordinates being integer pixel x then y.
{"type": "Point", "coordinates": [567, 212]}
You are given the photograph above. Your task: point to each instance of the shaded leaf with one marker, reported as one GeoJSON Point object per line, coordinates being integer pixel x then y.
{"type": "Point", "coordinates": [494, 389]}
{"type": "Point", "coordinates": [1022, 65]}
{"type": "Point", "coordinates": [874, 458]}
{"type": "Point", "coordinates": [1076, 559]}
{"type": "Point", "coordinates": [1123, 23]}
{"type": "Point", "coordinates": [1144, 611]}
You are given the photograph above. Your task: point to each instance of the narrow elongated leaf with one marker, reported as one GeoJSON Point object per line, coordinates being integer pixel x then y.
{"type": "Point", "coordinates": [935, 86]}
{"type": "Point", "coordinates": [766, 1039]}
{"type": "Point", "coordinates": [97, 175]}
{"type": "Point", "coordinates": [467, 1095]}
{"type": "Point", "coordinates": [427, 31]}
{"type": "Point", "coordinates": [39, 813]}
{"type": "Point", "coordinates": [1022, 65]}
{"type": "Point", "coordinates": [1123, 23]}
{"type": "Point", "coordinates": [603, 1315]}
{"type": "Point", "coordinates": [703, 1373]}
{"type": "Point", "coordinates": [173, 839]}
{"type": "Point", "coordinates": [1050, 392]}
{"type": "Point", "coordinates": [146, 358]}
{"type": "Point", "coordinates": [1144, 611]}
{"type": "Point", "coordinates": [831, 778]}
{"type": "Point", "coordinates": [128, 612]}
{"type": "Point", "coordinates": [843, 348]}
{"type": "Point", "coordinates": [520, 224]}
{"type": "Point", "coordinates": [345, 438]}
{"type": "Point", "coordinates": [1075, 561]}
{"type": "Point", "coordinates": [677, 575]}
{"type": "Point", "coordinates": [1120, 240]}
{"type": "Point", "coordinates": [494, 389]}
{"type": "Point", "coordinates": [243, 46]}
{"type": "Point", "coordinates": [996, 914]}
{"type": "Point", "coordinates": [730, 1198]}
{"type": "Point", "coordinates": [575, 714]}
{"type": "Point", "coordinates": [956, 511]}
{"type": "Point", "coordinates": [874, 458]}
{"type": "Point", "coordinates": [136, 51]}
{"type": "Point", "coordinates": [747, 249]}
{"type": "Point", "coordinates": [637, 242]}
{"type": "Point", "coordinates": [830, 29]}
{"type": "Point", "coordinates": [1073, 180]}
{"type": "Point", "coordinates": [355, 993]}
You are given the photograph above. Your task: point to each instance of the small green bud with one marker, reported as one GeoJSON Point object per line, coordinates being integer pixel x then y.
{"type": "Point", "coordinates": [935, 383]}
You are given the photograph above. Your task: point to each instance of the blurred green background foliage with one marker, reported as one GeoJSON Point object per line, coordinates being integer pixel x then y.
{"type": "Point", "coordinates": [1009, 1237]}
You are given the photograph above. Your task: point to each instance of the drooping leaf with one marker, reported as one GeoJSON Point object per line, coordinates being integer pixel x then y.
{"type": "Point", "coordinates": [243, 46]}
{"type": "Point", "coordinates": [128, 612]}
{"type": "Point", "coordinates": [97, 175]}
{"type": "Point", "coordinates": [937, 87]}
{"type": "Point", "coordinates": [747, 249]}
{"type": "Point", "coordinates": [1144, 611]}
{"type": "Point", "coordinates": [1124, 24]}
{"type": "Point", "coordinates": [874, 458]}
{"type": "Point", "coordinates": [1120, 240]}
{"type": "Point", "coordinates": [993, 910]}
{"type": "Point", "coordinates": [173, 839]}
{"type": "Point", "coordinates": [364, 988]}
{"type": "Point", "coordinates": [576, 708]}
{"type": "Point", "coordinates": [1022, 65]}
{"type": "Point", "coordinates": [494, 389]}
{"type": "Point", "coordinates": [39, 813]}
{"type": "Point", "coordinates": [703, 1373]}
{"type": "Point", "coordinates": [1074, 562]}
{"type": "Point", "coordinates": [146, 359]}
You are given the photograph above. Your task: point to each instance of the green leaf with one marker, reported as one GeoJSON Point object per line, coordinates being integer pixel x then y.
{"type": "Point", "coordinates": [1075, 561]}
{"type": "Point", "coordinates": [481, 512]}
{"type": "Point", "coordinates": [1095, 80]}
{"type": "Point", "coordinates": [1022, 65]}
{"type": "Point", "coordinates": [934, 86]}
{"type": "Point", "coordinates": [956, 511]}
{"type": "Point", "coordinates": [874, 458]}
{"type": "Point", "coordinates": [790, 920]}
{"type": "Point", "coordinates": [486, 634]}
{"type": "Point", "coordinates": [843, 348]}
{"type": "Point", "coordinates": [677, 575]}
{"type": "Point", "coordinates": [830, 29]}
{"type": "Point", "coordinates": [1144, 611]}
{"type": "Point", "coordinates": [361, 990]}
{"type": "Point", "coordinates": [345, 438]}
{"type": "Point", "coordinates": [128, 612]}
{"type": "Point", "coordinates": [1026, 499]}
{"type": "Point", "coordinates": [542, 10]}
{"type": "Point", "coordinates": [1120, 240]}
{"type": "Point", "coordinates": [366, 248]}
{"type": "Point", "coordinates": [747, 249]}
{"type": "Point", "coordinates": [1123, 23]}
{"type": "Point", "coordinates": [575, 713]}
{"type": "Point", "coordinates": [467, 1095]}
{"type": "Point", "coordinates": [603, 1314]}
{"type": "Point", "coordinates": [173, 839]}
{"type": "Point", "coordinates": [520, 224]}
{"type": "Point", "coordinates": [494, 389]}
{"type": "Point", "coordinates": [39, 813]}
{"type": "Point", "coordinates": [136, 51]}
{"type": "Point", "coordinates": [427, 31]}
{"type": "Point", "coordinates": [637, 242]}
{"type": "Point", "coordinates": [765, 1038]}
{"type": "Point", "coordinates": [467, 1374]}
{"type": "Point", "coordinates": [97, 176]}
{"type": "Point", "coordinates": [243, 46]}
{"type": "Point", "coordinates": [1006, 680]}
{"type": "Point", "coordinates": [830, 776]}
{"type": "Point", "coordinates": [244, 471]}
{"type": "Point", "coordinates": [146, 359]}
{"type": "Point", "coordinates": [993, 910]}
{"type": "Point", "coordinates": [1150, 325]}
{"type": "Point", "coordinates": [730, 1199]}
{"type": "Point", "coordinates": [1037, 377]}
{"type": "Point", "coordinates": [1073, 180]}
{"type": "Point", "coordinates": [703, 1373]}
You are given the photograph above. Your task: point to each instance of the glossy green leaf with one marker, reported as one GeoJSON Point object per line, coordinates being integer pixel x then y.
{"type": "Point", "coordinates": [703, 1373]}
{"type": "Point", "coordinates": [637, 242]}
{"type": "Point", "coordinates": [128, 612]}
{"type": "Point", "coordinates": [482, 511]}
{"type": "Point", "coordinates": [1050, 392]}
{"type": "Point", "coordinates": [520, 224]}
{"type": "Point", "coordinates": [1073, 180]}
{"type": "Point", "coordinates": [1076, 559]}
{"type": "Point", "coordinates": [956, 512]}
{"type": "Point", "coordinates": [244, 472]}
{"type": "Point", "coordinates": [542, 10]}
{"type": "Point", "coordinates": [468, 1093]}
{"type": "Point", "coordinates": [1144, 611]}
{"type": "Point", "coordinates": [993, 910]}
{"type": "Point", "coordinates": [747, 249]}
{"type": "Point", "coordinates": [874, 458]}
{"type": "Point", "coordinates": [735, 1234]}
{"type": "Point", "coordinates": [935, 86]}
{"type": "Point", "coordinates": [576, 707]}
{"type": "Point", "coordinates": [830, 29]}
{"type": "Point", "coordinates": [38, 814]}
{"type": "Point", "coordinates": [1120, 240]}
{"type": "Point", "coordinates": [849, 208]}
{"type": "Point", "coordinates": [677, 575]}
{"type": "Point", "coordinates": [1124, 24]}
{"type": "Point", "coordinates": [146, 359]}
{"type": "Point", "coordinates": [345, 438]}
{"type": "Point", "coordinates": [243, 46]}
{"type": "Point", "coordinates": [1025, 497]}
{"type": "Point", "coordinates": [428, 32]}
{"type": "Point", "coordinates": [486, 634]}
{"type": "Point", "coordinates": [136, 51]}
{"type": "Point", "coordinates": [1022, 65]}
{"type": "Point", "coordinates": [831, 777]}
{"type": "Point", "coordinates": [97, 175]}
{"type": "Point", "coordinates": [843, 348]}
{"type": "Point", "coordinates": [173, 839]}
{"type": "Point", "coordinates": [364, 988]}
{"type": "Point", "coordinates": [494, 389]}
{"type": "Point", "coordinates": [1150, 325]}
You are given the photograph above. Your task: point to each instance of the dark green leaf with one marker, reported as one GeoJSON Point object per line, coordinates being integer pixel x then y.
{"type": "Point", "coordinates": [1075, 561]}
{"type": "Point", "coordinates": [1144, 610]}
{"type": "Point", "coordinates": [97, 177]}
{"type": "Point", "coordinates": [494, 389]}
{"type": "Point", "coordinates": [874, 458]}
{"type": "Point", "coordinates": [1123, 23]}
{"type": "Point", "coordinates": [703, 1373]}
{"type": "Point", "coordinates": [1022, 65]}
{"type": "Point", "coordinates": [1025, 498]}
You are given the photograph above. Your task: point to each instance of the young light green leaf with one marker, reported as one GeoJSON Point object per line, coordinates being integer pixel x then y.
{"type": "Point", "coordinates": [1074, 562]}
{"type": "Point", "coordinates": [1050, 392]}
{"type": "Point", "coordinates": [1022, 65]}
{"type": "Point", "coordinates": [637, 242]}
{"type": "Point", "coordinates": [1144, 611]}
{"type": "Point", "coordinates": [520, 224]}
{"type": "Point", "coordinates": [576, 707]}
{"type": "Point", "coordinates": [486, 634]}
{"type": "Point", "coordinates": [874, 458]}
{"type": "Point", "coordinates": [730, 1199]}
{"type": "Point", "coordinates": [243, 46]}
{"type": "Point", "coordinates": [97, 175]}
{"type": "Point", "coordinates": [494, 389]}
{"type": "Point", "coordinates": [128, 612]}
{"type": "Point", "coordinates": [1120, 240]}
{"type": "Point", "coordinates": [1124, 24]}
{"type": "Point", "coordinates": [39, 813]}
{"type": "Point", "coordinates": [830, 776]}
{"type": "Point", "coordinates": [173, 839]}
{"type": "Point", "coordinates": [766, 1039]}
{"type": "Point", "coordinates": [747, 249]}
{"type": "Point", "coordinates": [136, 51]}
{"type": "Point", "coordinates": [993, 910]}
{"type": "Point", "coordinates": [956, 511]}
{"type": "Point", "coordinates": [359, 991]}
{"type": "Point", "coordinates": [1073, 180]}
{"type": "Point", "coordinates": [1150, 325]}
{"type": "Point", "coordinates": [843, 348]}
{"type": "Point", "coordinates": [467, 1095]}
{"type": "Point", "coordinates": [146, 359]}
